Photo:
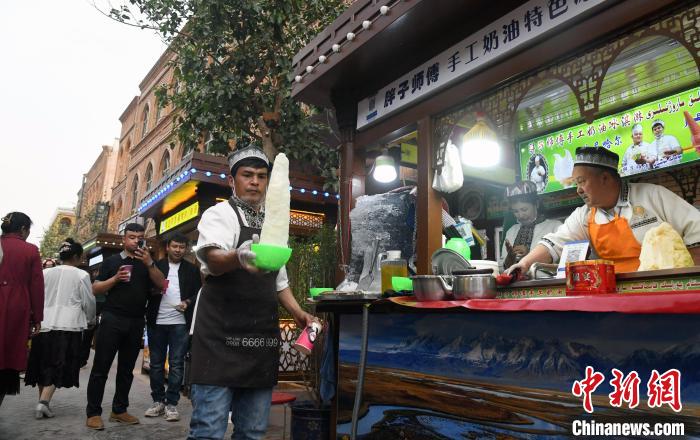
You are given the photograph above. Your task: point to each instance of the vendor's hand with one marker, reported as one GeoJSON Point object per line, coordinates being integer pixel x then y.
{"type": "Point", "coordinates": [182, 306]}
{"type": "Point", "coordinates": [34, 329]}
{"type": "Point", "coordinates": [520, 251]}
{"type": "Point", "coordinates": [522, 266]}
{"type": "Point", "coordinates": [122, 275]}
{"type": "Point", "coordinates": [304, 319]}
{"type": "Point", "coordinates": [143, 255]}
{"type": "Point", "coordinates": [246, 256]}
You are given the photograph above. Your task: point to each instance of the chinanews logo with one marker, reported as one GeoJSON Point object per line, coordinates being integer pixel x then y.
{"type": "Point", "coordinates": [662, 390]}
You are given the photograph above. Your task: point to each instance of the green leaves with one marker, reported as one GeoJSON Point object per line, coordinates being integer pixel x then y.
{"type": "Point", "coordinates": [233, 60]}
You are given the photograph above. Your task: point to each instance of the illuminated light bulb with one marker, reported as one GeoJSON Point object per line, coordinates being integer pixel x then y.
{"type": "Point", "coordinates": [384, 168]}
{"type": "Point", "coordinates": [384, 10]}
{"type": "Point", "coordinates": [309, 69]}
{"type": "Point", "coordinates": [350, 36]}
{"type": "Point", "coordinates": [336, 47]}
{"type": "Point", "coordinates": [366, 24]}
{"type": "Point", "coordinates": [322, 59]}
{"type": "Point", "coordinates": [297, 78]}
{"type": "Point", "coordinates": [480, 148]}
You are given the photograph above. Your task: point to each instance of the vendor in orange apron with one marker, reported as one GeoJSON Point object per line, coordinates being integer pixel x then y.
{"type": "Point", "coordinates": [598, 183]}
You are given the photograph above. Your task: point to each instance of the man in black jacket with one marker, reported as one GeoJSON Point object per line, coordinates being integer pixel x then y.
{"type": "Point", "coordinates": [169, 317]}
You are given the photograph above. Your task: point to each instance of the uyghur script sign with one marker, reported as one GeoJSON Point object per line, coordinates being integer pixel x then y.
{"type": "Point", "coordinates": [648, 137]}
{"type": "Point", "coordinates": [513, 31]}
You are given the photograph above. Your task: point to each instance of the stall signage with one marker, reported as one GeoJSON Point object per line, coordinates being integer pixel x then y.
{"type": "Point", "coordinates": [179, 217]}
{"type": "Point", "coordinates": [548, 160]}
{"type": "Point", "coordinates": [513, 31]}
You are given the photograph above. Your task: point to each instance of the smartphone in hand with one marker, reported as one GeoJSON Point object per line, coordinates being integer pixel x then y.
{"type": "Point", "coordinates": [142, 244]}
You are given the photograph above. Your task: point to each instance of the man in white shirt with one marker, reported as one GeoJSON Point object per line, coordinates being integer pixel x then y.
{"type": "Point", "coordinates": [169, 316]}
{"type": "Point", "coordinates": [639, 157]}
{"type": "Point", "coordinates": [668, 149]}
{"type": "Point", "coordinates": [616, 215]}
{"type": "Point", "coordinates": [235, 331]}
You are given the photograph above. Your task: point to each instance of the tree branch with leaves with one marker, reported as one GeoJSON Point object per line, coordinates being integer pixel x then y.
{"type": "Point", "coordinates": [233, 67]}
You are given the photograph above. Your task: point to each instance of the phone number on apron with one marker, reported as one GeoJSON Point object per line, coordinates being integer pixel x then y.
{"type": "Point", "coordinates": [252, 342]}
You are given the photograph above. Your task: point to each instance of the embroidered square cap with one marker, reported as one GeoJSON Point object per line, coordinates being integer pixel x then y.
{"type": "Point", "coordinates": [596, 157]}
{"type": "Point", "coordinates": [522, 188]}
{"type": "Point", "coordinates": [246, 153]}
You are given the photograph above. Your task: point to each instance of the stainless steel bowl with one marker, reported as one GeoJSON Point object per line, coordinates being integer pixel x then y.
{"type": "Point", "coordinates": [431, 287]}
{"type": "Point", "coordinates": [473, 286]}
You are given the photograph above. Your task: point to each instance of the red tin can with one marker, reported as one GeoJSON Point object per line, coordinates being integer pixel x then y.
{"type": "Point", "coordinates": [590, 277]}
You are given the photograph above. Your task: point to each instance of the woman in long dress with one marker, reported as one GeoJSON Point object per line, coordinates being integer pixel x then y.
{"type": "Point", "coordinates": [21, 298]}
{"type": "Point", "coordinates": [69, 306]}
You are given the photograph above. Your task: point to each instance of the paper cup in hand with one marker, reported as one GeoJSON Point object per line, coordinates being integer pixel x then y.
{"type": "Point", "coordinates": [305, 342]}
{"type": "Point", "coordinates": [128, 267]}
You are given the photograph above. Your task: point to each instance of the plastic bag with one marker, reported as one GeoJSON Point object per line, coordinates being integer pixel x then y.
{"type": "Point", "coordinates": [451, 178]}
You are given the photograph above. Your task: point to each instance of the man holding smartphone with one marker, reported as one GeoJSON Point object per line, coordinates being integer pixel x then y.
{"type": "Point", "coordinates": [126, 279]}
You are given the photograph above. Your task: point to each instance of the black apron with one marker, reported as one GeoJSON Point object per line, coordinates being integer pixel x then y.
{"type": "Point", "coordinates": [236, 336]}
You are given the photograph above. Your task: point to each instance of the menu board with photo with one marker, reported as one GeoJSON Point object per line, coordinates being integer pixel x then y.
{"type": "Point", "coordinates": [651, 136]}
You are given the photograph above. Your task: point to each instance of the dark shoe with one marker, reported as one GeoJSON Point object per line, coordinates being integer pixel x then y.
{"type": "Point", "coordinates": [124, 418]}
{"type": "Point", "coordinates": [95, 422]}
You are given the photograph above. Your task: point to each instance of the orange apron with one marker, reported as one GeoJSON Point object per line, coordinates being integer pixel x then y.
{"type": "Point", "coordinates": [615, 241]}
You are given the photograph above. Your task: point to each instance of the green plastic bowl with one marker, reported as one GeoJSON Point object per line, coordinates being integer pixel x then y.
{"type": "Point", "coordinates": [315, 291]}
{"type": "Point", "coordinates": [270, 257]}
{"type": "Point", "coordinates": [401, 283]}
{"type": "Point", "coordinates": [460, 246]}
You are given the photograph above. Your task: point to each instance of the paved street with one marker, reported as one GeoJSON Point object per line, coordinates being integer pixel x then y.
{"type": "Point", "coordinates": [17, 414]}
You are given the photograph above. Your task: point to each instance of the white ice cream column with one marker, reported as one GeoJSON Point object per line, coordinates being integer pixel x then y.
{"type": "Point", "coordinates": [275, 229]}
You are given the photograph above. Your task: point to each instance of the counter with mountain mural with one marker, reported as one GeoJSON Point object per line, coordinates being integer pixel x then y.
{"type": "Point", "coordinates": [466, 374]}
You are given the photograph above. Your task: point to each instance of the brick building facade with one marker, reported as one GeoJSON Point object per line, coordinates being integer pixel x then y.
{"type": "Point", "coordinates": [95, 194]}
{"type": "Point", "coordinates": [148, 149]}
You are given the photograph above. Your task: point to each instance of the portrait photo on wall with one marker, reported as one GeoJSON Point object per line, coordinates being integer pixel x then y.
{"type": "Point", "coordinates": [538, 171]}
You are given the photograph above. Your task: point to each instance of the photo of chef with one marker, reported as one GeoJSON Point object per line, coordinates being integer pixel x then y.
{"type": "Point", "coordinates": [668, 149]}
{"type": "Point", "coordinates": [640, 156]}
{"type": "Point", "coordinates": [538, 171]}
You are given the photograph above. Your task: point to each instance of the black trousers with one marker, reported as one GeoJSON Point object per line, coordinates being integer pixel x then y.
{"type": "Point", "coordinates": [116, 334]}
{"type": "Point", "coordinates": [88, 334]}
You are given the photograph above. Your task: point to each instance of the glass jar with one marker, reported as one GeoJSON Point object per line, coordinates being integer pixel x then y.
{"type": "Point", "coordinates": [391, 265]}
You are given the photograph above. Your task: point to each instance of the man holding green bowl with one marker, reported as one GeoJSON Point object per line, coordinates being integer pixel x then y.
{"type": "Point", "coordinates": [235, 329]}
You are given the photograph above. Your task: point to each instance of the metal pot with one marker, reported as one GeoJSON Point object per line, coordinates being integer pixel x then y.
{"type": "Point", "coordinates": [431, 287]}
{"type": "Point", "coordinates": [474, 286]}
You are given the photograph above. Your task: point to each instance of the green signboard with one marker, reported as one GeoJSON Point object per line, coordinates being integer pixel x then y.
{"type": "Point", "coordinates": [648, 137]}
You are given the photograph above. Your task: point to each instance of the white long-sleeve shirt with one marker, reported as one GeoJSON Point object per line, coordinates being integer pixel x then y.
{"type": "Point", "coordinates": [69, 303]}
{"type": "Point", "coordinates": [643, 205]}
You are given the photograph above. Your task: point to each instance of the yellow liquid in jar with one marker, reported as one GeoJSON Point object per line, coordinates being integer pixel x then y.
{"type": "Point", "coordinates": [392, 268]}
